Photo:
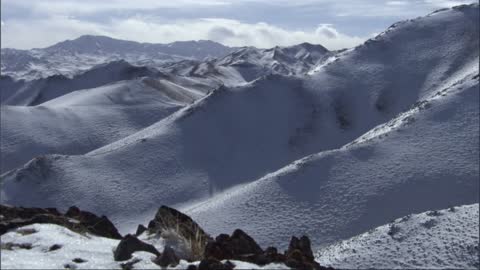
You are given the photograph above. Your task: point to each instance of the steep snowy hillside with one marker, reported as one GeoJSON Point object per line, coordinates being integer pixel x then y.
{"type": "Point", "coordinates": [249, 63]}
{"type": "Point", "coordinates": [445, 239]}
{"type": "Point", "coordinates": [427, 158]}
{"type": "Point", "coordinates": [84, 120]}
{"type": "Point", "coordinates": [209, 158]}
{"type": "Point", "coordinates": [71, 57]}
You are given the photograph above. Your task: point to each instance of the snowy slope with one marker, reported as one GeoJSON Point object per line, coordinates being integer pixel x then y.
{"type": "Point", "coordinates": [427, 158]}
{"type": "Point", "coordinates": [237, 135]}
{"type": "Point", "coordinates": [96, 252]}
{"type": "Point", "coordinates": [434, 239]}
{"type": "Point", "coordinates": [71, 57]}
{"type": "Point", "coordinates": [31, 93]}
{"type": "Point", "coordinates": [84, 120]}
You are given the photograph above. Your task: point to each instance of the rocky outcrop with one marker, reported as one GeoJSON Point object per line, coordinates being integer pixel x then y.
{"type": "Point", "coordinates": [169, 219]}
{"type": "Point", "coordinates": [168, 222]}
{"type": "Point", "coordinates": [76, 220]}
{"type": "Point", "coordinates": [96, 225]}
{"type": "Point", "coordinates": [242, 247]}
{"type": "Point", "coordinates": [131, 244]}
{"type": "Point", "coordinates": [239, 246]}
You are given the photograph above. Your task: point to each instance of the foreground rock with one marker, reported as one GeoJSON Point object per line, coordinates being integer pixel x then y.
{"type": "Point", "coordinates": [168, 258]}
{"type": "Point", "coordinates": [170, 226]}
{"type": "Point", "coordinates": [75, 219]}
{"type": "Point", "coordinates": [212, 264]}
{"type": "Point", "coordinates": [129, 245]}
{"type": "Point", "coordinates": [240, 246]}
{"type": "Point", "coordinates": [168, 220]}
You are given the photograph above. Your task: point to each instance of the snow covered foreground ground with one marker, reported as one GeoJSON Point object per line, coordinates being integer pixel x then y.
{"type": "Point", "coordinates": [435, 239]}
{"type": "Point", "coordinates": [96, 252]}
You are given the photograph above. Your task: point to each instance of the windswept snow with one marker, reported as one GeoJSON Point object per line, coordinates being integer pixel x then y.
{"type": "Point", "coordinates": [445, 239]}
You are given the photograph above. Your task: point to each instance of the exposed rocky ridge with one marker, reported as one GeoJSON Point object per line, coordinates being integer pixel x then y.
{"type": "Point", "coordinates": [74, 219]}
{"type": "Point", "coordinates": [212, 253]}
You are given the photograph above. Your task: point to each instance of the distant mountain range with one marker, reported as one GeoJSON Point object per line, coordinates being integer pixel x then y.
{"type": "Point", "coordinates": [72, 56]}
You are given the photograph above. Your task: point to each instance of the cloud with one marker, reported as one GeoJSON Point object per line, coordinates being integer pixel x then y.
{"type": "Point", "coordinates": [56, 7]}
{"type": "Point", "coordinates": [39, 23]}
{"type": "Point", "coordinates": [44, 32]}
{"type": "Point", "coordinates": [396, 3]}
{"type": "Point", "coordinates": [327, 30]}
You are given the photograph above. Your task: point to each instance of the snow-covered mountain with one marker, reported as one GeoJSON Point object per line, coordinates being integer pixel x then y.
{"type": "Point", "coordinates": [84, 120]}
{"type": "Point", "coordinates": [248, 64]}
{"type": "Point", "coordinates": [70, 57]}
{"type": "Point", "coordinates": [35, 92]}
{"type": "Point", "coordinates": [279, 142]}
{"type": "Point", "coordinates": [435, 239]}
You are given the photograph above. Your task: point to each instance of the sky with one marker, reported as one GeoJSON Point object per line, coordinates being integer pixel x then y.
{"type": "Point", "coordinates": [335, 24]}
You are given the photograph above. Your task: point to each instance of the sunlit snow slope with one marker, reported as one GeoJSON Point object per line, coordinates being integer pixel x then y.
{"type": "Point", "coordinates": [446, 239]}
{"type": "Point", "coordinates": [84, 120]}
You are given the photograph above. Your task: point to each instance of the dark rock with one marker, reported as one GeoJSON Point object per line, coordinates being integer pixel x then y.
{"type": "Point", "coordinates": [129, 265]}
{"type": "Point", "coordinates": [299, 254]}
{"type": "Point", "coordinates": [244, 244]}
{"type": "Point", "coordinates": [69, 266]}
{"type": "Point", "coordinates": [12, 246]}
{"type": "Point", "coordinates": [54, 247]}
{"type": "Point", "coordinates": [213, 264]}
{"type": "Point", "coordinates": [100, 226]}
{"type": "Point", "coordinates": [229, 264]}
{"type": "Point", "coordinates": [78, 260]}
{"type": "Point", "coordinates": [303, 245]}
{"type": "Point", "coordinates": [239, 246]}
{"type": "Point", "coordinates": [168, 258]}
{"type": "Point", "coordinates": [192, 267]}
{"type": "Point", "coordinates": [129, 245]}
{"type": "Point", "coordinates": [15, 217]}
{"type": "Point", "coordinates": [140, 230]}
{"type": "Point", "coordinates": [168, 218]}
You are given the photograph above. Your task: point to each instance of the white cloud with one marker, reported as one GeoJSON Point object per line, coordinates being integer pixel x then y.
{"type": "Point", "coordinates": [95, 6]}
{"type": "Point", "coordinates": [40, 33]}
{"type": "Point", "coordinates": [397, 3]}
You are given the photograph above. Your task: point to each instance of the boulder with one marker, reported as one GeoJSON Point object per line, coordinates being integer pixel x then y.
{"type": "Point", "coordinates": [97, 225]}
{"type": "Point", "coordinates": [169, 219]}
{"type": "Point", "coordinates": [168, 258]}
{"type": "Point", "coordinates": [213, 264]}
{"type": "Point", "coordinates": [238, 246]}
{"type": "Point", "coordinates": [130, 244]}
{"type": "Point", "coordinates": [299, 254]}
{"type": "Point", "coordinates": [303, 245]}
